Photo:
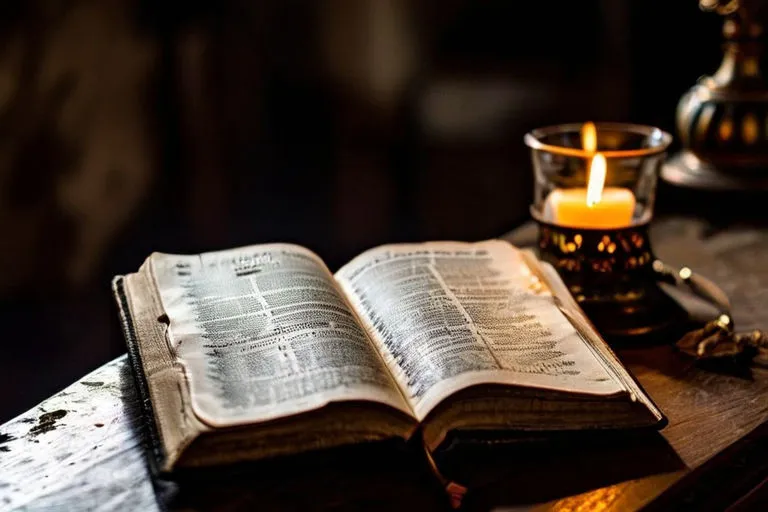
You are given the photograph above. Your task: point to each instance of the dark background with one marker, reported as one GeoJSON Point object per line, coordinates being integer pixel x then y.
{"type": "Point", "coordinates": [135, 126]}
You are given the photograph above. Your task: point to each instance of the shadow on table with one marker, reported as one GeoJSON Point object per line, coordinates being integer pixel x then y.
{"type": "Point", "coordinates": [529, 471]}
{"type": "Point", "coordinates": [393, 476]}
{"type": "Point", "coordinates": [377, 477]}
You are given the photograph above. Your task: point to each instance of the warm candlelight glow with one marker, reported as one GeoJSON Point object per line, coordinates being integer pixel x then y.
{"type": "Point", "coordinates": [589, 137]}
{"type": "Point", "coordinates": [596, 180]}
{"type": "Point", "coordinates": [594, 206]}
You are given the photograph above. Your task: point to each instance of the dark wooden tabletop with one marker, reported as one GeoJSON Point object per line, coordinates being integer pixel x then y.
{"type": "Point", "coordinates": [81, 449]}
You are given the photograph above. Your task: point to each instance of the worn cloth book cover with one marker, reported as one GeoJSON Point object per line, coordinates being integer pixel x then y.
{"type": "Point", "coordinates": [256, 352]}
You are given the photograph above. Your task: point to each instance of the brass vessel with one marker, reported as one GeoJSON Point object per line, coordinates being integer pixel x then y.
{"type": "Point", "coordinates": [722, 121]}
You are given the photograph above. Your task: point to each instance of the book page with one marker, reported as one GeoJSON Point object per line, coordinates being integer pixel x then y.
{"type": "Point", "coordinates": [447, 315]}
{"type": "Point", "coordinates": [263, 332]}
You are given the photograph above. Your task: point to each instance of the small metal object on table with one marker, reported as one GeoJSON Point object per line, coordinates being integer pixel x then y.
{"type": "Point", "coordinates": [81, 449]}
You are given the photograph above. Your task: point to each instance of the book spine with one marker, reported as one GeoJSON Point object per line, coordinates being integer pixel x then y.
{"type": "Point", "coordinates": [157, 456]}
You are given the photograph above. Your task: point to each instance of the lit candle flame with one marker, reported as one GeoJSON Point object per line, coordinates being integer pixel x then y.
{"type": "Point", "coordinates": [589, 137]}
{"type": "Point", "coordinates": [597, 164]}
{"type": "Point", "coordinates": [596, 180]}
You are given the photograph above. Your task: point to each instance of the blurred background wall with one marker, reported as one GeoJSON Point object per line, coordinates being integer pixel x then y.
{"type": "Point", "coordinates": [129, 126]}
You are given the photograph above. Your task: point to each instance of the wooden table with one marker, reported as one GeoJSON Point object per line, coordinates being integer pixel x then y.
{"type": "Point", "coordinates": [81, 449]}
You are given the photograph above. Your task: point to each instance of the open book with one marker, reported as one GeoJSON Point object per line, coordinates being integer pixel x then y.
{"type": "Point", "coordinates": [260, 351]}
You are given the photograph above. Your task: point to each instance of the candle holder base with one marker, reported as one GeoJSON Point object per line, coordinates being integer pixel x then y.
{"type": "Point", "coordinates": [610, 274]}
{"type": "Point", "coordinates": [648, 318]}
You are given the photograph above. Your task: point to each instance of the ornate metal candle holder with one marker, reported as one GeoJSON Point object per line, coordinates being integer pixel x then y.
{"type": "Point", "coordinates": [604, 256]}
{"type": "Point", "coordinates": [610, 274]}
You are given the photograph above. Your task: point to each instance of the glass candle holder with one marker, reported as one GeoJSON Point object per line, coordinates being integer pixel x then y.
{"type": "Point", "coordinates": [594, 193]}
{"type": "Point", "coordinates": [633, 155]}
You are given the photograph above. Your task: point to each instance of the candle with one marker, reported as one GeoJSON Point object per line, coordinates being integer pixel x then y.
{"type": "Point", "coordinates": [569, 208]}
{"type": "Point", "coordinates": [594, 206]}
